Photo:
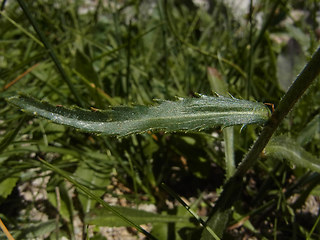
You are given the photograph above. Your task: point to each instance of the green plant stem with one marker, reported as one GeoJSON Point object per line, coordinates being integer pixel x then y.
{"type": "Point", "coordinates": [10, 135]}
{"type": "Point", "coordinates": [265, 25]}
{"type": "Point", "coordinates": [189, 45]}
{"type": "Point", "coordinates": [2, 5]}
{"type": "Point", "coordinates": [251, 55]}
{"type": "Point", "coordinates": [228, 135]}
{"type": "Point", "coordinates": [119, 47]}
{"type": "Point", "coordinates": [195, 215]}
{"type": "Point", "coordinates": [300, 85]}
{"type": "Point", "coordinates": [128, 57]}
{"type": "Point", "coordinates": [313, 227]}
{"type": "Point", "coordinates": [95, 197]}
{"type": "Point", "coordinates": [164, 46]}
{"type": "Point", "coordinates": [21, 28]}
{"type": "Point", "coordinates": [50, 49]}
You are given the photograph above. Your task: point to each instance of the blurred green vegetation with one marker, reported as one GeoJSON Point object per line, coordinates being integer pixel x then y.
{"type": "Point", "coordinates": [131, 52]}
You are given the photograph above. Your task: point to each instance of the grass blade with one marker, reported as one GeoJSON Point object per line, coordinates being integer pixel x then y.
{"type": "Point", "coordinates": [195, 215]}
{"type": "Point", "coordinates": [219, 85]}
{"type": "Point", "coordinates": [185, 114]}
{"type": "Point", "coordinates": [195, 48]}
{"type": "Point", "coordinates": [22, 29]}
{"type": "Point", "coordinates": [95, 197]}
{"type": "Point", "coordinates": [50, 49]}
{"type": "Point", "coordinates": [10, 136]}
{"type": "Point", "coordinates": [103, 217]}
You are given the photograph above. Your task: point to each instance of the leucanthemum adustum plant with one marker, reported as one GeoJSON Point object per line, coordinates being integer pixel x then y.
{"type": "Point", "coordinates": [156, 153]}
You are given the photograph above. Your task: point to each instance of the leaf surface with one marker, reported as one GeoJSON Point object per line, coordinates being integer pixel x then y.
{"type": "Point", "coordinates": [95, 179]}
{"type": "Point", "coordinates": [187, 114]}
{"type": "Point", "coordinates": [283, 147]}
{"type": "Point", "coordinates": [104, 217]}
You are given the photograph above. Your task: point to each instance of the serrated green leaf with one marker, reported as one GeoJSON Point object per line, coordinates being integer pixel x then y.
{"type": "Point", "coordinates": [104, 217]}
{"type": "Point", "coordinates": [283, 147]}
{"type": "Point", "coordinates": [185, 114]}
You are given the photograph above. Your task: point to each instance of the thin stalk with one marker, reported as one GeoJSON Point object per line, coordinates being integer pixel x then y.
{"type": "Point", "coordinates": [50, 49]}
{"type": "Point", "coordinates": [95, 197]}
{"type": "Point", "coordinates": [102, 93]}
{"type": "Point", "coordinates": [11, 135]}
{"type": "Point", "coordinates": [128, 62]}
{"type": "Point", "coordinates": [132, 172]}
{"type": "Point", "coordinates": [304, 194]}
{"type": "Point", "coordinates": [22, 29]}
{"type": "Point", "coordinates": [295, 92]}
{"type": "Point", "coordinates": [313, 227]}
{"type": "Point", "coordinates": [251, 57]}
{"type": "Point", "coordinates": [119, 47]}
{"type": "Point", "coordinates": [14, 81]}
{"type": "Point", "coordinates": [120, 54]}
{"type": "Point", "coordinates": [219, 86]}
{"type": "Point", "coordinates": [164, 47]}
{"type": "Point", "coordinates": [297, 89]}
{"type": "Point", "coordinates": [306, 180]}
{"type": "Point", "coordinates": [195, 215]}
{"type": "Point", "coordinates": [265, 25]}
{"type": "Point", "coordinates": [228, 135]}
{"type": "Point", "coordinates": [189, 45]}
{"type": "Point", "coordinates": [58, 199]}
{"type": "Point", "coordinates": [3, 4]}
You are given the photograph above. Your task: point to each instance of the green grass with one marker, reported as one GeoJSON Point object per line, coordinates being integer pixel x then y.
{"type": "Point", "coordinates": [215, 183]}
